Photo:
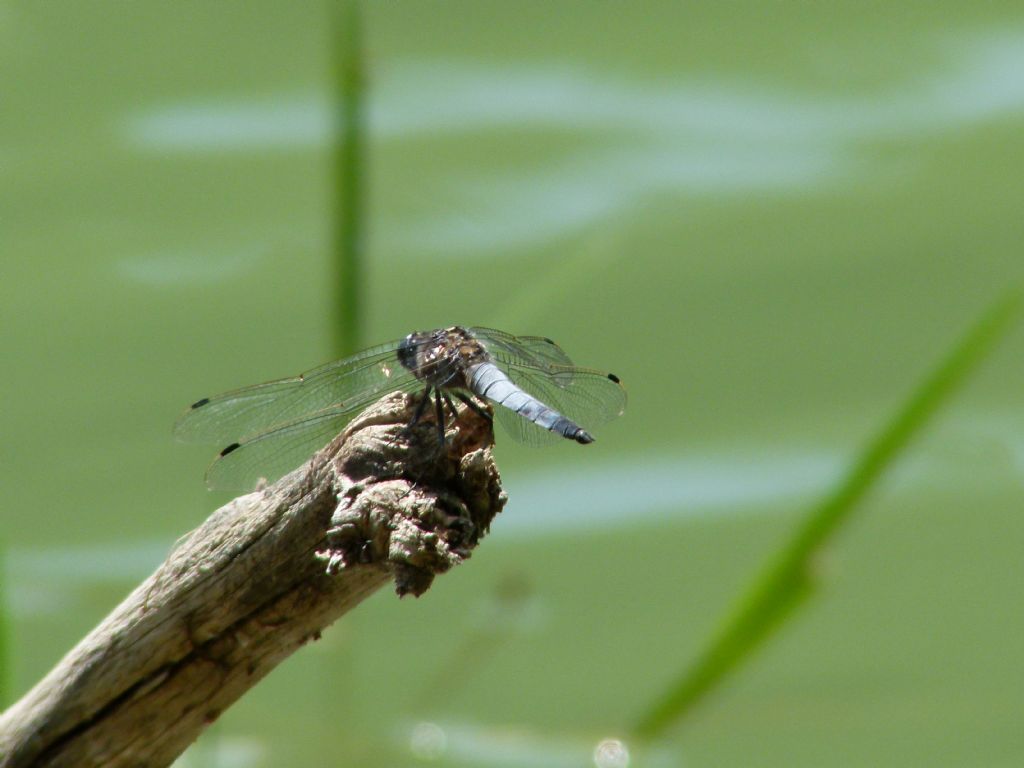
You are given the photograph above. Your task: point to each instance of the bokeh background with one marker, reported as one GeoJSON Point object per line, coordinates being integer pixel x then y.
{"type": "Point", "coordinates": [770, 219]}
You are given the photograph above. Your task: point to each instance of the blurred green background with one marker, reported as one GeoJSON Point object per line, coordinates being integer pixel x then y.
{"type": "Point", "coordinates": [770, 219]}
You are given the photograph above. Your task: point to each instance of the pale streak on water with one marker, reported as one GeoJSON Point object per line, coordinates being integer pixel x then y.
{"type": "Point", "coordinates": [542, 504]}
{"type": "Point", "coordinates": [662, 488]}
{"type": "Point", "coordinates": [701, 138]}
{"type": "Point", "coordinates": [658, 489]}
{"type": "Point", "coordinates": [466, 743]}
{"type": "Point", "coordinates": [175, 266]}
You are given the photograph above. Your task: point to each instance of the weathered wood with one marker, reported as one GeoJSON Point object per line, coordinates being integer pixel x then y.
{"type": "Point", "coordinates": [262, 576]}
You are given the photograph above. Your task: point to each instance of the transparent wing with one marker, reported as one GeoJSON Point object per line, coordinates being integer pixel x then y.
{"type": "Point", "coordinates": [531, 349]}
{"type": "Point", "coordinates": [541, 368]}
{"type": "Point", "coordinates": [251, 411]}
{"type": "Point", "coordinates": [590, 399]}
{"type": "Point", "coordinates": [271, 454]}
{"type": "Point", "coordinates": [523, 430]}
{"type": "Point", "coordinates": [534, 351]}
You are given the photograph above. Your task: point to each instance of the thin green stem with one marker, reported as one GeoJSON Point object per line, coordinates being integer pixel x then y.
{"type": "Point", "coordinates": [788, 578]}
{"type": "Point", "coordinates": [349, 174]}
{"type": "Point", "coordinates": [5, 647]}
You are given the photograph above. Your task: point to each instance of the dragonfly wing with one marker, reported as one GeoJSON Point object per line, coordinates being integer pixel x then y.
{"type": "Point", "coordinates": [257, 409]}
{"type": "Point", "coordinates": [522, 430]}
{"type": "Point", "coordinates": [542, 368]}
{"type": "Point", "coordinates": [589, 398]}
{"type": "Point", "coordinates": [272, 454]}
{"type": "Point", "coordinates": [537, 351]}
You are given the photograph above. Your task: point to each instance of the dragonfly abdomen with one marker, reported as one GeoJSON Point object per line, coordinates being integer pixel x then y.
{"type": "Point", "coordinates": [490, 382]}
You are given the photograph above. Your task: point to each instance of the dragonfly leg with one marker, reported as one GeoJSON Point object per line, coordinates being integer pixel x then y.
{"type": "Point", "coordinates": [473, 406]}
{"type": "Point", "coordinates": [420, 409]}
{"type": "Point", "coordinates": [440, 416]}
{"type": "Point", "coordinates": [448, 402]}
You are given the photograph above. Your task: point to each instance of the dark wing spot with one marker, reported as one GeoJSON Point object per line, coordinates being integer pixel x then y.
{"type": "Point", "coordinates": [200, 403]}
{"type": "Point", "coordinates": [230, 448]}
{"type": "Point", "coordinates": [614, 378]}
{"type": "Point", "coordinates": [549, 341]}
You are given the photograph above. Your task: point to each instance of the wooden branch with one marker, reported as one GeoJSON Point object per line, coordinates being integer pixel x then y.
{"type": "Point", "coordinates": [262, 576]}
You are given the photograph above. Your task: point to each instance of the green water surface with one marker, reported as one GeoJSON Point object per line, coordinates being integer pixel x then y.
{"type": "Point", "coordinates": [768, 219]}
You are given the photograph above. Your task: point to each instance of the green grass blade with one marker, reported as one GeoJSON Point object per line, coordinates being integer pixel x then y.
{"type": "Point", "coordinates": [5, 645]}
{"type": "Point", "coordinates": [349, 189]}
{"type": "Point", "coordinates": [788, 578]}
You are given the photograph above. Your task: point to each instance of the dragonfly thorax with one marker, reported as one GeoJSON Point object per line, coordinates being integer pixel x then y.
{"type": "Point", "coordinates": [441, 358]}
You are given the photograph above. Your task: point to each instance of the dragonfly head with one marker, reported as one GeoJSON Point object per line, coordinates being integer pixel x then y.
{"type": "Point", "coordinates": [408, 350]}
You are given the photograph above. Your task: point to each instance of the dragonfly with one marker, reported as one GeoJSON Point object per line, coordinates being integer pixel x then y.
{"type": "Point", "coordinates": [542, 397]}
